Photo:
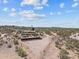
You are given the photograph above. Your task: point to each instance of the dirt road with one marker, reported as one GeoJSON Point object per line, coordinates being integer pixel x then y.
{"type": "Point", "coordinates": [38, 46]}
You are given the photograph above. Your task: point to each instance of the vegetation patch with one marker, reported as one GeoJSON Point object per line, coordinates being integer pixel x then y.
{"type": "Point", "coordinates": [63, 54]}
{"type": "Point", "coordinates": [21, 52]}
{"type": "Point", "coordinates": [72, 44]}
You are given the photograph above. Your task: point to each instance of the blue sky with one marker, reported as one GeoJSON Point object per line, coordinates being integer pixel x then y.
{"type": "Point", "coordinates": [40, 13]}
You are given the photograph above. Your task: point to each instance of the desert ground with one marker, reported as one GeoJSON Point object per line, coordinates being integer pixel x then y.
{"type": "Point", "coordinates": [56, 43]}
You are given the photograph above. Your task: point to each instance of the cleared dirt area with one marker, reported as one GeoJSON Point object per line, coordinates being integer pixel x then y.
{"type": "Point", "coordinates": [8, 53]}
{"type": "Point", "coordinates": [38, 47]}
{"type": "Point", "coordinates": [51, 52]}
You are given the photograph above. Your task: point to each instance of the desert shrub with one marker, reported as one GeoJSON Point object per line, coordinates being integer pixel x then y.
{"type": "Point", "coordinates": [25, 58]}
{"type": "Point", "coordinates": [77, 54]}
{"type": "Point", "coordinates": [48, 32]}
{"type": "Point", "coordinates": [1, 42]}
{"type": "Point", "coordinates": [57, 45]}
{"type": "Point", "coordinates": [72, 44]}
{"type": "Point", "coordinates": [63, 54]}
{"type": "Point", "coordinates": [16, 42]}
{"type": "Point", "coordinates": [64, 57]}
{"type": "Point", "coordinates": [9, 46]}
{"type": "Point", "coordinates": [21, 52]}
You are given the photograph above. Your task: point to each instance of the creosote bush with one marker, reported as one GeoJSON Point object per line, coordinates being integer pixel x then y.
{"type": "Point", "coordinates": [63, 54]}
{"type": "Point", "coordinates": [72, 44]}
{"type": "Point", "coordinates": [21, 52]}
{"type": "Point", "coordinates": [16, 42]}
{"type": "Point", "coordinates": [9, 46]}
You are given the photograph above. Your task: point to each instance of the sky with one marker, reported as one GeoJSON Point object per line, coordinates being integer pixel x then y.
{"type": "Point", "coordinates": [40, 13]}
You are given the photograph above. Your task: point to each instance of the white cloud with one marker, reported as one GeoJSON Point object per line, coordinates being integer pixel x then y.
{"type": "Point", "coordinates": [13, 9]}
{"type": "Point", "coordinates": [62, 5]}
{"type": "Point", "coordinates": [51, 13]}
{"type": "Point", "coordinates": [5, 9]}
{"type": "Point", "coordinates": [75, 4]}
{"type": "Point", "coordinates": [12, 14]}
{"type": "Point", "coordinates": [58, 13]}
{"type": "Point", "coordinates": [5, 1]}
{"type": "Point", "coordinates": [69, 11]}
{"type": "Point", "coordinates": [34, 2]}
{"type": "Point", "coordinates": [30, 15]}
{"type": "Point", "coordinates": [44, 2]}
{"type": "Point", "coordinates": [39, 8]}
{"type": "Point", "coordinates": [38, 4]}
{"type": "Point", "coordinates": [75, 0]}
{"type": "Point", "coordinates": [29, 2]}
